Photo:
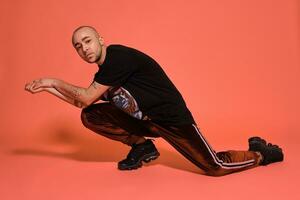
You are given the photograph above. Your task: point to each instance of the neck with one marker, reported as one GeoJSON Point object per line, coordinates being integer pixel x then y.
{"type": "Point", "coordinates": [102, 56]}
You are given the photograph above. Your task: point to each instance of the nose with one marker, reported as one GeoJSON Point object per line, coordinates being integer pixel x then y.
{"type": "Point", "coordinates": [84, 48]}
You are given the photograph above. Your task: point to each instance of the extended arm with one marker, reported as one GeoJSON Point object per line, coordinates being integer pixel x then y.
{"type": "Point", "coordinates": [78, 96]}
{"type": "Point", "coordinates": [63, 97]}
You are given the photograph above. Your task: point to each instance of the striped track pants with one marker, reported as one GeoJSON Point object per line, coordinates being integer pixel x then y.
{"type": "Point", "coordinates": [111, 122]}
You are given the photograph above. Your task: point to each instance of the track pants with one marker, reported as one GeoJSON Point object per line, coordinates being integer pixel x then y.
{"type": "Point", "coordinates": [111, 122]}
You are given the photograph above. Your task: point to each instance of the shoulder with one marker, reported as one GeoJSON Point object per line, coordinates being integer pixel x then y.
{"type": "Point", "coordinates": [120, 54]}
{"type": "Point", "coordinates": [117, 47]}
{"type": "Point", "coordinates": [122, 49]}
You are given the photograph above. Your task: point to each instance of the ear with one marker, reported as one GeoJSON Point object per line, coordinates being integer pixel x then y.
{"type": "Point", "coordinates": [101, 40]}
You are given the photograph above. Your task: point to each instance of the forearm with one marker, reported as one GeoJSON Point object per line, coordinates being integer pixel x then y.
{"type": "Point", "coordinates": [73, 93]}
{"type": "Point", "coordinates": [67, 99]}
{"type": "Point", "coordinates": [78, 96]}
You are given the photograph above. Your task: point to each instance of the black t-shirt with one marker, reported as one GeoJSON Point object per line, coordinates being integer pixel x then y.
{"type": "Point", "coordinates": [140, 87]}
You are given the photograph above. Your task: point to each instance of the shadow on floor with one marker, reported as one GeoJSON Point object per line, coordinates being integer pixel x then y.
{"type": "Point", "coordinates": [88, 146]}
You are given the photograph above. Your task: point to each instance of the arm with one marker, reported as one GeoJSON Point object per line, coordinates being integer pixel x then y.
{"type": "Point", "coordinates": [65, 98]}
{"type": "Point", "coordinates": [80, 97]}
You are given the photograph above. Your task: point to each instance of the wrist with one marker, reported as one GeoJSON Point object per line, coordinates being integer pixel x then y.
{"type": "Point", "coordinates": [47, 89]}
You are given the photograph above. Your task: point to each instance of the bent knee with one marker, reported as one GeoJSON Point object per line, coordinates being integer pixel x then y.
{"type": "Point", "coordinates": [94, 113]}
{"type": "Point", "coordinates": [84, 117]}
{"type": "Point", "coordinates": [215, 173]}
{"type": "Point", "coordinates": [219, 171]}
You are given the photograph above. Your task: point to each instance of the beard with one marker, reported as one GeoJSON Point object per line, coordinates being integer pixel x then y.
{"type": "Point", "coordinates": [98, 56]}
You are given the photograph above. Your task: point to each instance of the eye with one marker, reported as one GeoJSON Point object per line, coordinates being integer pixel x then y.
{"type": "Point", "coordinates": [88, 41]}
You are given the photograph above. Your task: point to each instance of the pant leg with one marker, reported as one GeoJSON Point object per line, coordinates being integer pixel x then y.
{"type": "Point", "coordinates": [189, 141]}
{"type": "Point", "coordinates": [111, 122]}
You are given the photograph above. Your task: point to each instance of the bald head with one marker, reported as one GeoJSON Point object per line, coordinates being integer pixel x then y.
{"type": "Point", "coordinates": [88, 43]}
{"type": "Point", "coordinates": [89, 30]}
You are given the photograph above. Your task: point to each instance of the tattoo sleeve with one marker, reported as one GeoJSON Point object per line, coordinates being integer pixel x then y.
{"type": "Point", "coordinates": [76, 93]}
{"type": "Point", "coordinates": [64, 97]}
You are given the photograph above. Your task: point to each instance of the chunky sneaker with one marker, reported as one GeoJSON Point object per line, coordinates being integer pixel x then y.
{"type": "Point", "coordinates": [139, 152]}
{"type": "Point", "coordinates": [271, 153]}
{"type": "Point", "coordinates": [256, 143]}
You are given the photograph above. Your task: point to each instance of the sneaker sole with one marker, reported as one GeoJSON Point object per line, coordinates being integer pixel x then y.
{"type": "Point", "coordinates": [146, 158]}
{"type": "Point", "coordinates": [153, 157]}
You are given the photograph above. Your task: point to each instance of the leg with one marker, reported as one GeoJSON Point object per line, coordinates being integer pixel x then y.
{"type": "Point", "coordinates": [189, 141]}
{"type": "Point", "coordinates": [113, 123]}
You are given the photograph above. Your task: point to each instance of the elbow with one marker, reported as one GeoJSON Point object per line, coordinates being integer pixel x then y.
{"type": "Point", "coordinates": [86, 103]}
{"type": "Point", "coordinates": [81, 104]}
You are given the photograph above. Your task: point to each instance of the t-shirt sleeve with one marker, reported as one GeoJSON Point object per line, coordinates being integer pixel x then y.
{"type": "Point", "coordinates": [114, 75]}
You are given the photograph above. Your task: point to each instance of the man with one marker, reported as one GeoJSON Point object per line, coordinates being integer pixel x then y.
{"type": "Point", "coordinates": [131, 98]}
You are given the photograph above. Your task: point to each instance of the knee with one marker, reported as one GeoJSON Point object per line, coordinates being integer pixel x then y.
{"type": "Point", "coordinates": [221, 171]}
{"type": "Point", "coordinates": [213, 169]}
{"type": "Point", "coordinates": [93, 113]}
{"type": "Point", "coordinates": [87, 114]}
{"type": "Point", "coordinates": [215, 173]}
{"type": "Point", "coordinates": [84, 117]}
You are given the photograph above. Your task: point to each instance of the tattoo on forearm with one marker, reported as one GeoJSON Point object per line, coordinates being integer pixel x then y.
{"type": "Point", "coordinates": [75, 93]}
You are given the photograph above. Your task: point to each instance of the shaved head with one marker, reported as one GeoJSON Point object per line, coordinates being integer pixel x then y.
{"type": "Point", "coordinates": [88, 43]}
{"type": "Point", "coordinates": [88, 29]}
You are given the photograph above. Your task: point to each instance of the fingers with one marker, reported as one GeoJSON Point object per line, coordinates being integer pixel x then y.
{"type": "Point", "coordinates": [28, 86]}
{"type": "Point", "coordinates": [33, 91]}
{"type": "Point", "coordinates": [34, 86]}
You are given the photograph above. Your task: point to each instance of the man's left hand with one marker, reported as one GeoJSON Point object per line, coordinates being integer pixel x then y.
{"type": "Point", "coordinates": [39, 84]}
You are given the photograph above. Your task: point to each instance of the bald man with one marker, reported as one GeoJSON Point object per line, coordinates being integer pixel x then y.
{"type": "Point", "coordinates": [132, 100]}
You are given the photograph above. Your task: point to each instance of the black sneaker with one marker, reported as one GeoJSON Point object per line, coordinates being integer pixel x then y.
{"type": "Point", "coordinates": [256, 143]}
{"type": "Point", "coordinates": [139, 152]}
{"type": "Point", "coordinates": [271, 153]}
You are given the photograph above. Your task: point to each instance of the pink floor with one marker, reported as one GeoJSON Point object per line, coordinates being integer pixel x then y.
{"type": "Point", "coordinates": [62, 167]}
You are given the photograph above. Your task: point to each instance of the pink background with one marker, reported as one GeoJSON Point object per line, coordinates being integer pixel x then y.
{"type": "Point", "coordinates": [235, 62]}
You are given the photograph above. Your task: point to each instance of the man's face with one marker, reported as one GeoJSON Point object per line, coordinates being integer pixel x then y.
{"type": "Point", "coordinates": [87, 44]}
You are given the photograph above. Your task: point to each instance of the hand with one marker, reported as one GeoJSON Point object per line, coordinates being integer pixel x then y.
{"type": "Point", "coordinates": [39, 85]}
{"type": "Point", "coordinates": [29, 88]}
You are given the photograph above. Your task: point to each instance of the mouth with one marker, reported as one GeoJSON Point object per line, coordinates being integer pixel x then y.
{"type": "Point", "coordinates": [87, 55]}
